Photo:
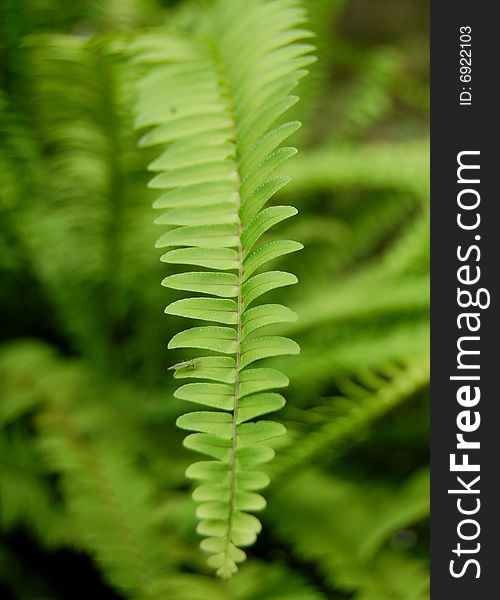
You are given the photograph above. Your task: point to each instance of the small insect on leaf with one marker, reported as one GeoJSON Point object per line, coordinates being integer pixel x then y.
{"type": "Point", "coordinates": [185, 364]}
{"type": "Point", "coordinates": [142, 140]}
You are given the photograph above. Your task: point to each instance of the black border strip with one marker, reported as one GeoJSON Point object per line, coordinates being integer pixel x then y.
{"type": "Point", "coordinates": [465, 124]}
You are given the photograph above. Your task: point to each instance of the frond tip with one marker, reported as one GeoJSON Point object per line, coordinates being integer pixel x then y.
{"type": "Point", "coordinates": [213, 105]}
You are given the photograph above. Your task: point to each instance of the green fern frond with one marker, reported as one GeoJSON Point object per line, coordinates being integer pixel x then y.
{"type": "Point", "coordinates": [215, 102]}
{"type": "Point", "coordinates": [375, 393]}
{"type": "Point", "coordinates": [82, 206]}
{"type": "Point", "coordinates": [370, 98]}
{"type": "Point", "coordinates": [106, 505]}
{"type": "Point", "coordinates": [355, 543]}
{"type": "Point", "coordinates": [111, 502]}
{"type": "Point", "coordinates": [342, 166]}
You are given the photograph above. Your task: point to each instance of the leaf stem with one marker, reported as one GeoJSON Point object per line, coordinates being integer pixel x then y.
{"type": "Point", "coordinates": [226, 85]}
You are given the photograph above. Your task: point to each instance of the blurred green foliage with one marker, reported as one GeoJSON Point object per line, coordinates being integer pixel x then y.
{"type": "Point", "coordinates": [93, 499]}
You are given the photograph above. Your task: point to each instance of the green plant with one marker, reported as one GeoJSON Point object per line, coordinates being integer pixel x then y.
{"type": "Point", "coordinates": [94, 501]}
{"type": "Point", "coordinates": [216, 105]}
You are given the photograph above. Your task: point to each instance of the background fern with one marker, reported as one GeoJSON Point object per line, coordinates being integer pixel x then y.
{"type": "Point", "coordinates": [93, 497]}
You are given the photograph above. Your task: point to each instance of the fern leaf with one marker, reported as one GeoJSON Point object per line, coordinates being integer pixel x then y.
{"type": "Point", "coordinates": [217, 107]}
{"type": "Point", "coordinates": [353, 553]}
{"type": "Point", "coordinates": [362, 405]}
